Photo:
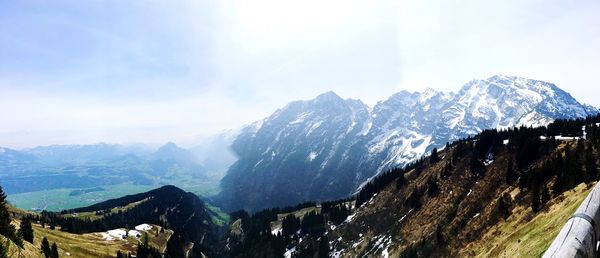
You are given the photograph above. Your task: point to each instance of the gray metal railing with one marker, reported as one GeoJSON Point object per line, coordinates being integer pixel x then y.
{"type": "Point", "coordinates": [579, 236]}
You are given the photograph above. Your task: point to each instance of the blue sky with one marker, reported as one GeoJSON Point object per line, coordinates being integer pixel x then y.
{"type": "Point", "coordinates": [155, 71]}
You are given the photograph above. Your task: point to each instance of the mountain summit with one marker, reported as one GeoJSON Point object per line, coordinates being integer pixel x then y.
{"type": "Point", "coordinates": [326, 148]}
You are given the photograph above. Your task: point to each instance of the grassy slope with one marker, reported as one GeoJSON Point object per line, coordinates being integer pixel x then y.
{"type": "Point", "coordinates": [523, 235]}
{"type": "Point", "coordinates": [28, 250]}
{"type": "Point", "coordinates": [93, 245]}
{"type": "Point", "coordinates": [83, 245]}
{"type": "Point", "coordinates": [219, 217]}
{"type": "Point", "coordinates": [465, 215]}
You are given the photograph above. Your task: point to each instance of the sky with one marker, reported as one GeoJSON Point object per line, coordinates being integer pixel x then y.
{"type": "Point", "coordinates": [81, 72]}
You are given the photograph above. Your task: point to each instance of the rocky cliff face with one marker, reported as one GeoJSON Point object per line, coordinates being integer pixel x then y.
{"type": "Point", "coordinates": [327, 147]}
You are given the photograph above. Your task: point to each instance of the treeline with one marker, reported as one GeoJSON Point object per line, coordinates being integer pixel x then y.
{"type": "Point", "coordinates": [568, 127]}
{"type": "Point", "coordinates": [258, 239]}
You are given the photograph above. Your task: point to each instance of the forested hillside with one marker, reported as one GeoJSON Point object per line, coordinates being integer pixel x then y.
{"type": "Point", "coordinates": [193, 231]}
{"type": "Point", "coordinates": [445, 204]}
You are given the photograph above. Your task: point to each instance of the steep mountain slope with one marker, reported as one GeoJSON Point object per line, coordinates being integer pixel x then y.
{"type": "Point", "coordinates": [296, 149]}
{"type": "Point", "coordinates": [515, 197]}
{"type": "Point", "coordinates": [499, 194]}
{"type": "Point", "coordinates": [328, 147]}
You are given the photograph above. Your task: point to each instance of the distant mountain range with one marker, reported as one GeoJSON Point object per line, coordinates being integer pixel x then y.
{"type": "Point", "coordinates": [85, 166]}
{"type": "Point", "coordinates": [326, 148]}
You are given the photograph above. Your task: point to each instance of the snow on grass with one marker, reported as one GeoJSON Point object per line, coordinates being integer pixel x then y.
{"type": "Point", "coordinates": [382, 242]}
{"type": "Point", "coordinates": [276, 231]}
{"type": "Point", "coordinates": [488, 162]}
{"type": "Point", "coordinates": [336, 254]}
{"type": "Point", "coordinates": [289, 252]}
{"type": "Point", "coordinates": [143, 227]}
{"type": "Point", "coordinates": [114, 234]}
{"type": "Point", "coordinates": [106, 236]}
{"type": "Point", "coordinates": [385, 253]}
{"type": "Point", "coordinates": [134, 233]}
{"type": "Point", "coordinates": [354, 245]}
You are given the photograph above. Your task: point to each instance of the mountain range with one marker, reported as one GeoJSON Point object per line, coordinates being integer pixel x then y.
{"type": "Point", "coordinates": [500, 193]}
{"type": "Point", "coordinates": [328, 147]}
{"type": "Point", "coordinates": [85, 166]}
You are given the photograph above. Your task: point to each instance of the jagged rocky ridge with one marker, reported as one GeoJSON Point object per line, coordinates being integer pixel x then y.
{"type": "Point", "coordinates": [326, 148]}
{"type": "Point", "coordinates": [499, 194]}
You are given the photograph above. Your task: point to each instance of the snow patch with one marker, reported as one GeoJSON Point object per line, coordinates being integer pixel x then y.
{"type": "Point", "coordinates": [134, 233]}
{"type": "Point", "coordinates": [114, 234]}
{"type": "Point", "coordinates": [385, 253]}
{"type": "Point", "coordinates": [312, 155]}
{"type": "Point", "coordinates": [350, 218]}
{"type": "Point", "coordinates": [299, 119]}
{"type": "Point", "coordinates": [276, 231]}
{"type": "Point", "coordinates": [289, 252]}
{"type": "Point", "coordinates": [143, 227]}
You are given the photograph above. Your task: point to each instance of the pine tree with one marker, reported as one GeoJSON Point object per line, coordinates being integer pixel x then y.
{"type": "Point", "coordinates": [54, 251]}
{"type": "Point", "coordinates": [591, 168]}
{"type": "Point", "coordinates": [432, 187]}
{"type": "Point", "coordinates": [434, 156]}
{"type": "Point", "coordinates": [511, 176]}
{"type": "Point", "coordinates": [401, 180]}
{"type": "Point", "coordinates": [6, 229]}
{"type": "Point", "coordinates": [545, 195]}
{"type": "Point", "coordinates": [323, 247]}
{"type": "Point", "coordinates": [46, 248]}
{"type": "Point", "coordinates": [412, 200]}
{"type": "Point", "coordinates": [25, 230]}
{"type": "Point", "coordinates": [535, 200]}
{"type": "Point", "coordinates": [3, 251]}
{"type": "Point", "coordinates": [439, 236]}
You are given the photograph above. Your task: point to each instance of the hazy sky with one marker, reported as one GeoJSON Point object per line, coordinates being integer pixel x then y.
{"type": "Point", "coordinates": [155, 71]}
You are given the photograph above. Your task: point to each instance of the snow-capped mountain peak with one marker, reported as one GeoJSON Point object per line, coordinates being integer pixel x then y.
{"type": "Point", "coordinates": [327, 147]}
